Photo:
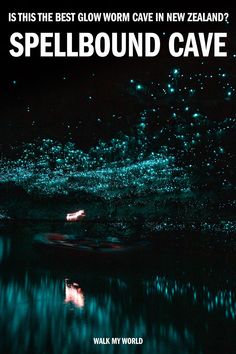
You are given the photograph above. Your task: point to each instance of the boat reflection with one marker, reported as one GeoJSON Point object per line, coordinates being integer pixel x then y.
{"type": "Point", "coordinates": [74, 294]}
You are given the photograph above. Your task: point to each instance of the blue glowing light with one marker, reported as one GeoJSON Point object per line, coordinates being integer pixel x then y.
{"type": "Point", "coordinates": [139, 87]}
{"type": "Point", "coordinates": [176, 71]}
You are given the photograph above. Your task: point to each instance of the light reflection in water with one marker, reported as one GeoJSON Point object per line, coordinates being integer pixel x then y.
{"type": "Point", "coordinates": [35, 315]}
{"type": "Point", "coordinates": [220, 299]}
{"type": "Point", "coordinates": [73, 294]}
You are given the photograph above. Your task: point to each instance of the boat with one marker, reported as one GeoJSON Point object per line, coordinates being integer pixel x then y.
{"type": "Point", "coordinates": [109, 248]}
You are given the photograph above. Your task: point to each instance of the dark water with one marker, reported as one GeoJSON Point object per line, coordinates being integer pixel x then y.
{"type": "Point", "coordinates": [176, 305]}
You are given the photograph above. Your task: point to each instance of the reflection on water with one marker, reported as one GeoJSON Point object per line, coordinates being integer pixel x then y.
{"type": "Point", "coordinates": [73, 294]}
{"type": "Point", "coordinates": [220, 299]}
{"type": "Point", "coordinates": [35, 312]}
{"type": "Point", "coordinates": [51, 310]}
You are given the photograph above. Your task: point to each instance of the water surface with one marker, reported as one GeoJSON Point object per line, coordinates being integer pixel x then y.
{"type": "Point", "coordinates": [176, 305]}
